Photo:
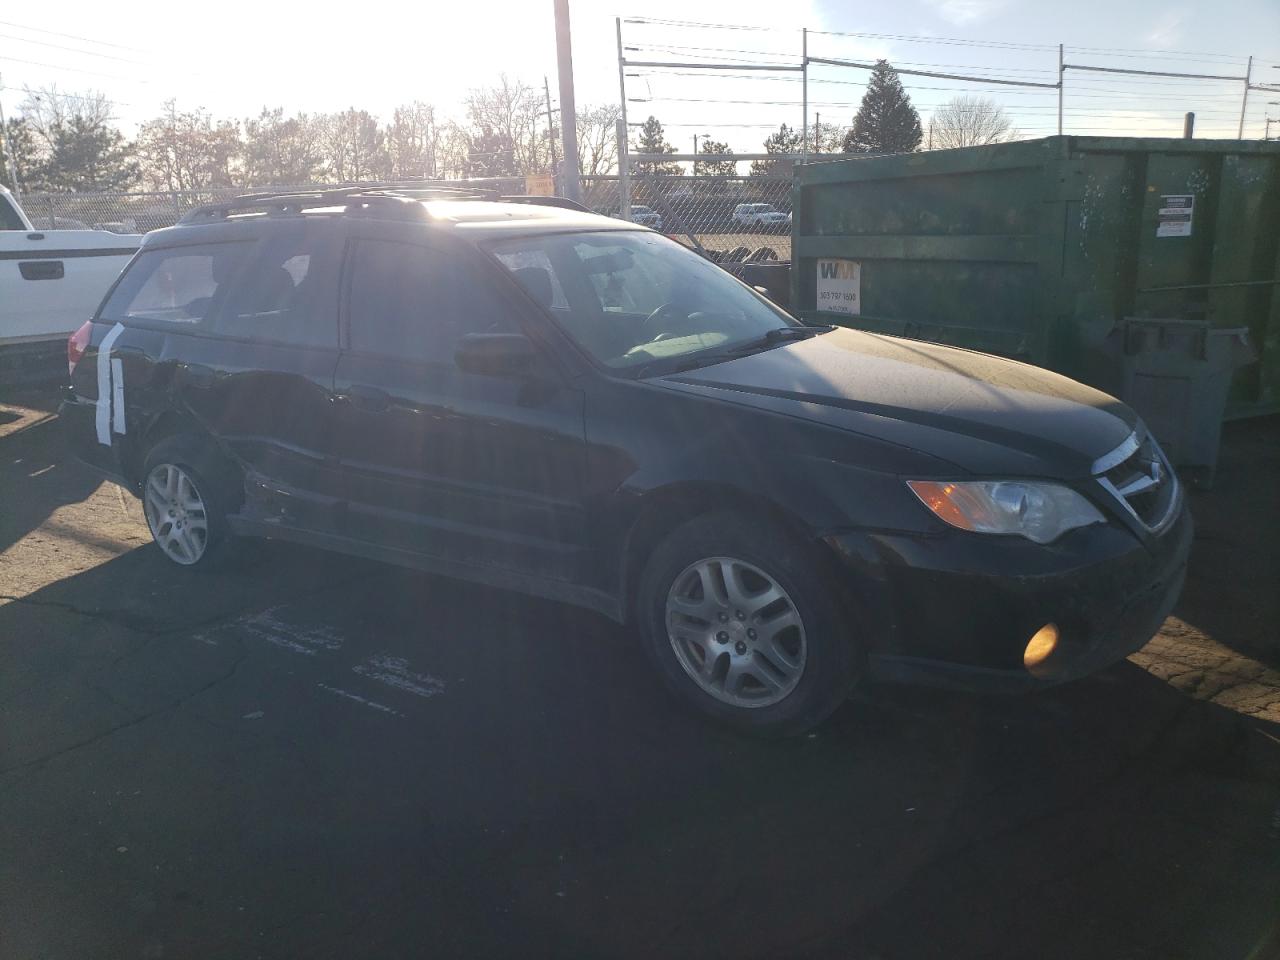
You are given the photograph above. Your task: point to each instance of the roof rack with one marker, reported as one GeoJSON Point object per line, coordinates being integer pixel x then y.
{"type": "Point", "coordinates": [402, 197]}
{"type": "Point", "coordinates": [535, 201]}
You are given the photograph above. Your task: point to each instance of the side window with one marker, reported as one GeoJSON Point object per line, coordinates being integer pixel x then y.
{"type": "Point", "coordinates": [176, 284]}
{"type": "Point", "coordinates": [9, 219]}
{"type": "Point", "coordinates": [416, 301]}
{"type": "Point", "coordinates": [288, 290]}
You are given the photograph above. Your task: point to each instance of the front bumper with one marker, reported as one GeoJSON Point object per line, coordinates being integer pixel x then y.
{"type": "Point", "coordinates": [957, 610]}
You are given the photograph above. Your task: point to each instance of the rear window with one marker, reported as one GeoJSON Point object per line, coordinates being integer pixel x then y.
{"type": "Point", "coordinates": [176, 284]}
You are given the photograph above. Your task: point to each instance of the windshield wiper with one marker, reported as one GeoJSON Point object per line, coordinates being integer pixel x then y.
{"type": "Point", "coordinates": [776, 335]}
{"type": "Point", "coordinates": [705, 359]}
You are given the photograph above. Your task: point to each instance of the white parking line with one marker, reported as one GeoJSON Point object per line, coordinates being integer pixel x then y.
{"type": "Point", "coordinates": [305, 640]}
{"type": "Point", "coordinates": [359, 699]}
{"type": "Point", "coordinates": [395, 672]}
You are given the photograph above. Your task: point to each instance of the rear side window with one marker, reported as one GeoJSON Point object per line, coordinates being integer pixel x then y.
{"type": "Point", "coordinates": [176, 284]}
{"type": "Point", "coordinates": [416, 302]}
{"type": "Point", "coordinates": [288, 290]}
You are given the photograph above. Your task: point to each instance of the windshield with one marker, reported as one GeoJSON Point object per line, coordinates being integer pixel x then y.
{"type": "Point", "coordinates": [630, 298]}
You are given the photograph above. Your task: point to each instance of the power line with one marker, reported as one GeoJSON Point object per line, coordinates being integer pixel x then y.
{"type": "Point", "coordinates": [676, 48]}
{"type": "Point", "coordinates": [941, 40]}
{"type": "Point", "coordinates": [85, 53]}
{"type": "Point", "coordinates": [691, 23]}
{"type": "Point", "coordinates": [70, 36]}
{"type": "Point", "coordinates": [72, 96]}
{"type": "Point", "coordinates": [54, 66]}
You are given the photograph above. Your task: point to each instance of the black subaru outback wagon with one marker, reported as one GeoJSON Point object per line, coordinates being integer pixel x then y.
{"type": "Point", "coordinates": [549, 401]}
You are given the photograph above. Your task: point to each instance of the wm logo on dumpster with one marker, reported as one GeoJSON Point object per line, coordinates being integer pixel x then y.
{"type": "Point", "coordinates": [837, 269]}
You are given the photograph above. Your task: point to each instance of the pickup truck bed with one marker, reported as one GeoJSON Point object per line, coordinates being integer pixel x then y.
{"type": "Point", "coordinates": [51, 281]}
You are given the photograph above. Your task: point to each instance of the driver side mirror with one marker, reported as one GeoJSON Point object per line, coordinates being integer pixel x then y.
{"type": "Point", "coordinates": [494, 354]}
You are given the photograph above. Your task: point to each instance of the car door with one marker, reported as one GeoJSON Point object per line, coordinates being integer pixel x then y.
{"type": "Point", "coordinates": [237, 330]}
{"type": "Point", "coordinates": [480, 469]}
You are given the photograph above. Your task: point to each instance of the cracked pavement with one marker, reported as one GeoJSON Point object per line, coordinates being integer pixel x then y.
{"type": "Point", "coordinates": [313, 756]}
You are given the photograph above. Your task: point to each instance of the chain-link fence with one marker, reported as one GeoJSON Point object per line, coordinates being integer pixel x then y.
{"type": "Point", "coordinates": [728, 218]}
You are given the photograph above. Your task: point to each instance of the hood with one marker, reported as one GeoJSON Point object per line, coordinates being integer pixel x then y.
{"type": "Point", "coordinates": [985, 414]}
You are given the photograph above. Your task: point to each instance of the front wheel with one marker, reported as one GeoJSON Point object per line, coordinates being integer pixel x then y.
{"type": "Point", "coordinates": [742, 624]}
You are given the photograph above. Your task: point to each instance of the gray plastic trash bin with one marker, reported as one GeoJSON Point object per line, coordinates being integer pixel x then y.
{"type": "Point", "coordinates": [1176, 374]}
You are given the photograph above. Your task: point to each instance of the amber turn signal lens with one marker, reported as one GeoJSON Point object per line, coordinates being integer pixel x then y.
{"type": "Point", "coordinates": [1041, 646]}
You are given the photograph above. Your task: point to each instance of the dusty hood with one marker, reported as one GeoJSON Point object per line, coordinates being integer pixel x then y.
{"type": "Point", "coordinates": [985, 414]}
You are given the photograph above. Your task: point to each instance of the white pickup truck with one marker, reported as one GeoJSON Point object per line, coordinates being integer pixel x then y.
{"type": "Point", "coordinates": [51, 281]}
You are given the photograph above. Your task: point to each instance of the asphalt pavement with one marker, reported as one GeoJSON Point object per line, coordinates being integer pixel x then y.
{"type": "Point", "coordinates": [314, 756]}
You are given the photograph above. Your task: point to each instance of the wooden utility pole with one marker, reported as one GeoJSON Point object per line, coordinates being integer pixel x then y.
{"type": "Point", "coordinates": [551, 124]}
{"type": "Point", "coordinates": [572, 187]}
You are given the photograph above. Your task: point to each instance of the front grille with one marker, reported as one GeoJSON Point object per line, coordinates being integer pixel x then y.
{"type": "Point", "coordinates": [1137, 474]}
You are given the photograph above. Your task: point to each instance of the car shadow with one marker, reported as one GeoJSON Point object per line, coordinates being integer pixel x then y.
{"type": "Point", "coordinates": [543, 770]}
{"type": "Point", "coordinates": [36, 474]}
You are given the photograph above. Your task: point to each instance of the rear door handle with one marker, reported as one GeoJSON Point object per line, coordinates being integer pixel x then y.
{"type": "Point", "coordinates": [42, 269]}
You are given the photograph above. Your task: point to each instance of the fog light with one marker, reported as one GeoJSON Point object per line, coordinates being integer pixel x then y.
{"type": "Point", "coordinates": [1041, 646]}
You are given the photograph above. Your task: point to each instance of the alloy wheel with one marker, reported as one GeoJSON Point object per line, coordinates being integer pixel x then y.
{"type": "Point", "coordinates": [176, 514]}
{"type": "Point", "coordinates": [736, 632]}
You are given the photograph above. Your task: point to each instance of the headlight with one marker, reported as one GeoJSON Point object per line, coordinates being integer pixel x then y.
{"type": "Point", "coordinates": [1038, 511]}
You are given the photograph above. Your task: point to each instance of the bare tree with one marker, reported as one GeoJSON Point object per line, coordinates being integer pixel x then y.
{"type": "Point", "coordinates": [598, 139]}
{"type": "Point", "coordinates": [969, 122]}
{"type": "Point", "coordinates": [76, 145]}
{"type": "Point", "coordinates": [826, 137]}
{"type": "Point", "coordinates": [510, 116]}
{"type": "Point", "coordinates": [353, 146]}
{"type": "Point", "coordinates": [453, 151]}
{"type": "Point", "coordinates": [279, 149]}
{"type": "Point", "coordinates": [413, 142]}
{"type": "Point", "coordinates": [188, 151]}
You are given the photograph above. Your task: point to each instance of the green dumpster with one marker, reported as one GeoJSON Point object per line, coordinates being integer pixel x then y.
{"type": "Point", "coordinates": [1040, 250]}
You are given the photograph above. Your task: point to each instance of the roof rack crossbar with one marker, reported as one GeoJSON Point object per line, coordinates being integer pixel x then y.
{"type": "Point", "coordinates": [295, 202]}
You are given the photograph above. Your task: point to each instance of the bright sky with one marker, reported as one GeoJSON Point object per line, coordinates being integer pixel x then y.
{"type": "Point", "coordinates": [235, 57]}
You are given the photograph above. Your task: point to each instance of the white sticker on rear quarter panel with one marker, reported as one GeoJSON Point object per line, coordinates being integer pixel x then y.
{"type": "Point", "coordinates": [117, 396]}
{"type": "Point", "coordinates": [102, 415]}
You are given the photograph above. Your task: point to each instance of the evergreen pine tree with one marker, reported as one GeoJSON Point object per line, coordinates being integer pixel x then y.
{"type": "Point", "coordinates": [886, 121]}
{"type": "Point", "coordinates": [784, 140]}
{"type": "Point", "coordinates": [653, 140]}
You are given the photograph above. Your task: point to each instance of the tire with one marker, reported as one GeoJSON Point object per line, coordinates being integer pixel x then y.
{"type": "Point", "coordinates": [775, 680]}
{"type": "Point", "coordinates": [188, 490]}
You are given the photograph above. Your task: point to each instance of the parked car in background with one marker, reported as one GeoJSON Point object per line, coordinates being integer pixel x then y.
{"type": "Point", "coordinates": [51, 281]}
{"type": "Point", "coordinates": [561, 403]}
{"type": "Point", "coordinates": [646, 216]}
{"type": "Point", "coordinates": [758, 215]}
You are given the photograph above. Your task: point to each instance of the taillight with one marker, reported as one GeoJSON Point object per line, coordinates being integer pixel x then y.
{"type": "Point", "coordinates": [77, 344]}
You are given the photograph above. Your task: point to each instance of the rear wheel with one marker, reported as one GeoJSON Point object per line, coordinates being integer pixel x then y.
{"type": "Point", "coordinates": [187, 492]}
{"type": "Point", "coordinates": [742, 623]}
